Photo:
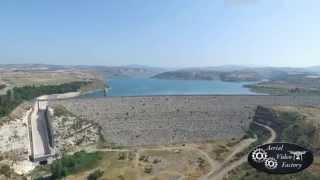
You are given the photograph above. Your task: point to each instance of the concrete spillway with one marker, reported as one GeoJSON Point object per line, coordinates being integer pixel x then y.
{"type": "Point", "coordinates": [40, 132]}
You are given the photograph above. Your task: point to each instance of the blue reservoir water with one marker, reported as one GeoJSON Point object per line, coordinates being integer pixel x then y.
{"type": "Point", "coordinates": [142, 87]}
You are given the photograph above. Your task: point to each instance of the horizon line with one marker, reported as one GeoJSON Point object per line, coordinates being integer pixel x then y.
{"type": "Point", "coordinates": [174, 67]}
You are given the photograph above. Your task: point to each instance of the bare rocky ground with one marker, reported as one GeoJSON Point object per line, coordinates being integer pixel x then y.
{"type": "Point", "coordinates": [155, 120]}
{"type": "Point", "coordinates": [71, 132]}
{"type": "Point", "coordinates": [14, 140]}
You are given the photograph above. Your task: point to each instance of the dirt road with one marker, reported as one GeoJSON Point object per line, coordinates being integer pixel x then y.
{"type": "Point", "coordinates": [224, 169]}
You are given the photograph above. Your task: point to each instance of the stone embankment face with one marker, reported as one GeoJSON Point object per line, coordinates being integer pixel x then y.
{"type": "Point", "coordinates": [152, 120]}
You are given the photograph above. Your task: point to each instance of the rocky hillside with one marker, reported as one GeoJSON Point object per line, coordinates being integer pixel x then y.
{"type": "Point", "coordinates": [240, 74]}
{"type": "Point", "coordinates": [210, 75]}
{"type": "Point", "coordinates": [189, 75]}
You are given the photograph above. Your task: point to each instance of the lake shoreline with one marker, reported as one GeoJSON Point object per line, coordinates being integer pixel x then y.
{"type": "Point", "coordinates": [159, 87]}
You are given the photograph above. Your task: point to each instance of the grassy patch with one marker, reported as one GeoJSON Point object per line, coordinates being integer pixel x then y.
{"type": "Point", "coordinates": [295, 129]}
{"type": "Point", "coordinates": [112, 166]}
{"type": "Point", "coordinates": [70, 164]}
{"type": "Point", "coordinates": [220, 152]}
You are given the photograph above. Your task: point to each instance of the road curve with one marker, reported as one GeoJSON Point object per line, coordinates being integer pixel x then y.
{"type": "Point", "coordinates": [223, 171]}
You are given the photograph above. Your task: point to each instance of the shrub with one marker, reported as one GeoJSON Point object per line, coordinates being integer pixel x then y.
{"type": "Point", "coordinates": [95, 175]}
{"type": "Point", "coordinates": [74, 163]}
{"type": "Point", "coordinates": [5, 170]}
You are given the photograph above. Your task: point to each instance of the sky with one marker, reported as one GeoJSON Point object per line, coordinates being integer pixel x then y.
{"type": "Point", "coordinates": [163, 33]}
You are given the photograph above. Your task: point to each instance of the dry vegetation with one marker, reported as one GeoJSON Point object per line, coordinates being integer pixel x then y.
{"type": "Point", "coordinates": [54, 77]}
{"type": "Point", "coordinates": [219, 149]}
{"type": "Point", "coordinates": [183, 163]}
{"type": "Point", "coordinates": [150, 163]}
{"type": "Point", "coordinates": [113, 167]}
{"type": "Point", "coordinates": [186, 161]}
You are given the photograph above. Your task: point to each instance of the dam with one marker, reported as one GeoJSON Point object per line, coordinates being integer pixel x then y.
{"type": "Point", "coordinates": [155, 120]}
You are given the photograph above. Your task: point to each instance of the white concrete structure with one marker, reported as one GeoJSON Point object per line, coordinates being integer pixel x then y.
{"type": "Point", "coordinates": [39, 131]}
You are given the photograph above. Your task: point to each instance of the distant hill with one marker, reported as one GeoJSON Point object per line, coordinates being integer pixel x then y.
{"type": "Point", "coordinates": [31, 67]}
{"type": "Point", "coordinates": [209, 75]}
{"type": "Point", "coordinates": [123, 71]}
{"type": "Point", "coordinates": [189, 75]}
{"type": "Point", "coordinates": [225, 72]}
{"type": "Point", "coordinates": [234, 73]}
{"type": "Point", "coordinates": [315, 69]}
{"type": "Point", "coordinates": [227, 68]}
{"type": "Point", "coordinates": [105, 71]}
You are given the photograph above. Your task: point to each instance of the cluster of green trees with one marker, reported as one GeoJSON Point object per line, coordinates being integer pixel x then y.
{"type": "Point", "coordinates": [17, 95]}
{"type": "Point", "coordinates": [296, 129]}
{"type": "Point", "coordinates": [70, 164]}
